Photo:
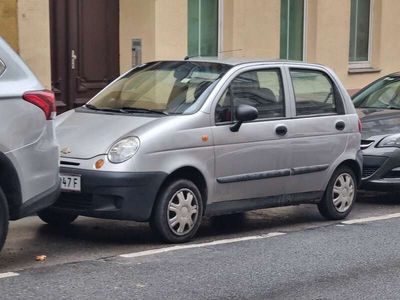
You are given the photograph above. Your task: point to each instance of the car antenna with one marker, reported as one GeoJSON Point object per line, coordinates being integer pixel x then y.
{"type": "Point", "coordinates": [187, 57]}
{"type": "Point", "coordinates": [234, 50]}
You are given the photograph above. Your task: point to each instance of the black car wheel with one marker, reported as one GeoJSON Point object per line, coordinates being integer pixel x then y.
{"type": "Point", "coordinates": [4, 216]}
{"type": "Point", "coordinates": [178, 211]}
{"type": "Point", "coordinates": [340, 194]}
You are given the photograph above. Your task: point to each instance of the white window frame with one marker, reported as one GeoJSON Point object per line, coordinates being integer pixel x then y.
{"type": "Point", "coordinates": [305, 29]}
{"type": "Point", "coordinates": [367, 63]}
{"type": "Point", "coordinates": [220, 28]}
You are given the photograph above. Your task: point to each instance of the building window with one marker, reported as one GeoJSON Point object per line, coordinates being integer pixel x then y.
{"type": "Point", "coordinates": [360, 32]}
{"type": "Point", "coordinates": [292, 29]}
{"type": "Point", "coordinates": [203, 27]}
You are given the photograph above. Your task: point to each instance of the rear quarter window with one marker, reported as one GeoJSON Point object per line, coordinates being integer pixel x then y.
{"type": "Point", "coordinates": [2, 67]}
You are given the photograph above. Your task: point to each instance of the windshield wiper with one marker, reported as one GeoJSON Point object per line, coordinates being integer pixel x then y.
{"type": "Point", "coordinates": [91, 106]}
{"type": "Point", "coordinates": [126, 110]}
{"type": "Point", "coordinates": [142, 110]}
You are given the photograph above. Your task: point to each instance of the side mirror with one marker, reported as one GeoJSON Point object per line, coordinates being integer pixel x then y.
{"type": "Point", "coordinates": [244, 113]}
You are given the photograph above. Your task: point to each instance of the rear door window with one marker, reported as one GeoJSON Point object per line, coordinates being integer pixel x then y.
{"type": "Point", "coordinates": [315, 93]}
{"type": "Point", "coordinates": [2, 67]}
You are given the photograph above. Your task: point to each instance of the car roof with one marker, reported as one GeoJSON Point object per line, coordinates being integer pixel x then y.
{"type": "Point", "coordinates": [396, 74]}
{"type": "Point", "coordinates": [234, 61]}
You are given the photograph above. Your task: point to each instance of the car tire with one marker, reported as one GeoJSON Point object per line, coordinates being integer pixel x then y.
{"type": "Point", "coordinates": [178, 211]}
{"type": "Point", "coordinates": [340, 194]}
{"type": "Point", "coordinates": [4, 216]}
{"type": "Point", "coordinates": [57, 219]}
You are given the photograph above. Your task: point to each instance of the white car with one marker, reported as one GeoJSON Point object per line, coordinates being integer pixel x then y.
{"type": "Point", "coordinates": [29, 177]}
{"type": "Point", "coordinates": [171, 141]}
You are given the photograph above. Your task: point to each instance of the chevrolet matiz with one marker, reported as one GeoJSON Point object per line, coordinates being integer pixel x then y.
{"type": "Point", "coordinates": [172, 141]}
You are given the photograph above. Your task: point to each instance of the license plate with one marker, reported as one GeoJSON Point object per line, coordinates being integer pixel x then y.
{"type": "Point", "coordinates": [70, 183]}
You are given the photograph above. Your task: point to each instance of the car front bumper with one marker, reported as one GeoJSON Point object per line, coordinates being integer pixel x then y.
{"type": "Point", "coordinates": [381, 169]}
{"type": "Point", "coordinates": [112, 195]}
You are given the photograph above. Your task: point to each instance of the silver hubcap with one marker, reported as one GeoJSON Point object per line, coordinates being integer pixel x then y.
{"type": "Point", "coordinates": [182, 211]}
{"type": "Point", "coordinates": [343, 192]}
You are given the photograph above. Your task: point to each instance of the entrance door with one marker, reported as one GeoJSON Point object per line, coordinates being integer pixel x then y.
{"type": "Point", "coordinates": [84, 48]}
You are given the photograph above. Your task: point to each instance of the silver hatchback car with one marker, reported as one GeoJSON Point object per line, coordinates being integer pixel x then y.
{"type": "Point", "coordinates": [172, 141]}
{"type": "Point", "coordinates": [29, 179]}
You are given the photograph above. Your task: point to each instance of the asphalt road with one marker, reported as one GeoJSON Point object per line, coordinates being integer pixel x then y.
{"type": "Point", "coordinates": [312, 259]}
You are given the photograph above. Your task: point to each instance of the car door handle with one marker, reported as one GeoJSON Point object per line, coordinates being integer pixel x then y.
{"type": "Point", "coordinates": [281, 130]}
{"type": "Point", "coordinates": [340, 125]}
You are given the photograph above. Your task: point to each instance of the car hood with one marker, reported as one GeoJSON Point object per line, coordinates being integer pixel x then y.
{"type": "Point", "coordinates": [85, 135]}
{"type": "Point", "coordinates": [379, 121]}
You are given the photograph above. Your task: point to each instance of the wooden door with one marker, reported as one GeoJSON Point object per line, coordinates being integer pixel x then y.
{"type": "Point", "coordinates": [84, 48]}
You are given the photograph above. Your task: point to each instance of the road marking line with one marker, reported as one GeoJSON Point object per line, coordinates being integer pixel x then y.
{"type": "Point", "coordinates": [8, 274]}
{"type": "Point", "coordinates": [371, 219]}
{"type": "Point", "coordinates": [191, 246]}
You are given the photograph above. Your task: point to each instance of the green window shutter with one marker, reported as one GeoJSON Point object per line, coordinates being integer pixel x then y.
{"type": "Point", "coordinates": [203, 27]}
{"type": "Point", "coordinates": [292, 29]}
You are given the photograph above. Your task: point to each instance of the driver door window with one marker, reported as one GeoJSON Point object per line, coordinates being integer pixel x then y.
{"type": "Point", "coordinates": [261, 89]}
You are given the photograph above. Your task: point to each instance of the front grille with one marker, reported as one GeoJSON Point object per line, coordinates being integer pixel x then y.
{"type": "Point", "coordinates": [369, 171]}
{"type": "Point", "coordinates": [366, 143]}
{"type": "Point", "coordinates": [75, 201]}
{"type": "Point", "coordinates": [69, 163]}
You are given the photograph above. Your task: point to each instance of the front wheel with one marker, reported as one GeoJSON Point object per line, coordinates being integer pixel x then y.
{"type": "Point", "coordinates": [3, 218]}
{"type": "Point", "coordinates": [340, 194]}
{"type": "Point", "coordinates": [178, 211]}
{"type": "Point", "coordinates": [57, 219]}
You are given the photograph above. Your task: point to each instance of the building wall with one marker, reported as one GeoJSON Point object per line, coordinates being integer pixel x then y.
{"type": "Point", "coordinates": [34, 37]}
{"type": "Point", "coordinates": [161, 24]}
{"type": "Point", "coordinates": [251, 28]}
{"type": "Point", "coordinates": [171, 29]}
{"type": "Point", "coordinates": [248, 28]}
{"type": "Point", "coordinates": [9, 22]}
{"type": "Point", "coordinates": [137, 20]}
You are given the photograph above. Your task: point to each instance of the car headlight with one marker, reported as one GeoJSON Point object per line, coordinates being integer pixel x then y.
{"type": "Point", "coordinates": [123, 149]}
{"type": "Point", "coordinates": [390, 141]}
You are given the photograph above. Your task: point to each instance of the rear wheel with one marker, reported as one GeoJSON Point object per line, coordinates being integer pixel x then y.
{"type": "Point", "coordinates": [340, 194]}
{"type": "Point", "coordinates": [3, 218]}
{"type": "Point", "coordinates": [178, 211]}
{"type": "Point", "coordinates": [56, 218]}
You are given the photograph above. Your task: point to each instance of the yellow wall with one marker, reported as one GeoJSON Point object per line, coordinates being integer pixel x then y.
{"type": "Point", "coordinates": [136, 21]}
{"type": "Point", "coordinates": [328, 35]}
{"type": "Point", "coordinates": [251, 28]}
{"type": "Point", "coordinates": [8, 22]}
{"type": "Point", "coordinates": [250, 25]}
{"type": "Point", "coordinates": [34, 37]}
{"type": "Point", "coordinates": [328, 44]}
{"type": "Point", "coordinates": [254, 27]}
{"type": "Point", "coordinates": [161, 24]}
{"type": "Point", "coordinates": [171, 29]}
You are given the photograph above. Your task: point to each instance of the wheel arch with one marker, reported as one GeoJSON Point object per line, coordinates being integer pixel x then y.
{"type": "Point", "coordinates": [352, 164]}
{"type": "Point", "coordinates": [190, 173]}
{"type": "Point", "coordinates": [10, 184]}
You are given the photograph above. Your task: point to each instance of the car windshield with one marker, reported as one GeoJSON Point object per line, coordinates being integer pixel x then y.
{"type": "Point", "coordinates": [169, 87]}
{"type": "Point", "coordinates": [384, 94]}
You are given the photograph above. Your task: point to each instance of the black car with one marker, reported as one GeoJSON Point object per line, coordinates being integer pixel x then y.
{"type": "Point", "coordinates": [378, 106]}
